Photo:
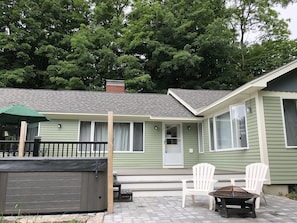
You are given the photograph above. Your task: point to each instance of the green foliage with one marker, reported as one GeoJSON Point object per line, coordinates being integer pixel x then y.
{"type": "Point", "coordinates": [75, 221]}
{"type": "Point", "coordinates": [153, 46]}
{"type": "Point", "coordinates": [292, 195]}
{"type": "Point", "coordinates": [261, 58]}
{"type": "Point", "coordinates": [292, 192]}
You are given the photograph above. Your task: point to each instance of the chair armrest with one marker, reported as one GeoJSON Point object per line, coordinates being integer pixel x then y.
{"type": "Point", "coordinates": [236, 179]}
{"type": "Point", "coordinates": [186, 180]}
{"type": "Point", "coordinates": [214, 180]}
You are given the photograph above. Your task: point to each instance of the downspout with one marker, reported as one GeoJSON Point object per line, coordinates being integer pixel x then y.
{"type": "Point", "coordinates": [262, 133]}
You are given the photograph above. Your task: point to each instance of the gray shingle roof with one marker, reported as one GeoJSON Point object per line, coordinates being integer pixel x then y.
{"type": "Point", "coordinates": [199, 98]}
{"type": "Point", "coordinates": [156, 105]}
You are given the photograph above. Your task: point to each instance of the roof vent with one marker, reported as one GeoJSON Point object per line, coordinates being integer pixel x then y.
{"type": "Point", "coordinates": [116, 86]}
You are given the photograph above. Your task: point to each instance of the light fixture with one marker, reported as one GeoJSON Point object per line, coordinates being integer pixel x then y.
{"type": "Point", "coordinates": [249, 110]}
{"type": "Point", "coordinates": [156, 127]}
{"type": "Point", "coordinates": [59, 125]}
{"type": "Point", "coordinates": [189, 127]}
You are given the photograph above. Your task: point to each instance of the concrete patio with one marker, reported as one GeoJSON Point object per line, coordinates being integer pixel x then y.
{"type": "Point", "coordinates": [168, 209]}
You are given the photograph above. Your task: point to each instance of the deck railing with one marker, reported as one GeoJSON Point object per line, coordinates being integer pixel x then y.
{"type": "Point", "coordinates": [38, 148]}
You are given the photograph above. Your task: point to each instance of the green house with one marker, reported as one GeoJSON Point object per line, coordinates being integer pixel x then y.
{"type": "Point", "coordinates": [254, 123]}
{"type": "Point", "coordinates": [230, 129]}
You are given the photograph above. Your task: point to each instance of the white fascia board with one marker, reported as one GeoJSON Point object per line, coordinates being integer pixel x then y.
{"type": "Point", "coordinates": [117, 117]}
{"type": "Point", "coordinates": [230, 98]}
{"type": "Point", "coordinates": [174, 119]}
{"type": "Point", "coordinates": [250, 87]}
{"type": "Point", "coordinates": [275, 73]}
{"type": "Point", "coordinates": [186, 105]}
{"type": "Point", "coordinates": [94, 116]}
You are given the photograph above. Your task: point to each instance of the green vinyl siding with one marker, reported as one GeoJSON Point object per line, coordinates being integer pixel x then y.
{"type": "Point", "coordinates": [282, 161]}
{"type": "Point", "coordinates": [190, 141]}
{"type": "Point", "coordinates": [234, 160]}
{"type": "Point", "coordinates": [49, 131]}
{"type": "Point", "coordinates": [151, 157]}
{"type": "Point", "coordinates": [68, 131]}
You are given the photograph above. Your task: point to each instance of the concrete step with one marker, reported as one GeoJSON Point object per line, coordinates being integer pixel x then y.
{"type": "Point", "coordinates": [147, 182]}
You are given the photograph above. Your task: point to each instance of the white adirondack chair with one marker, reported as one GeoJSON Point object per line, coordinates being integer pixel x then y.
{"type": "Point", "coordinates": [255, 174]}
{"type": "Point", "coordinates": [202, 183]}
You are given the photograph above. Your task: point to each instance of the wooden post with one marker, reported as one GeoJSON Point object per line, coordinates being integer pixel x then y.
{"type": "Point", "coordinates": [23, 133]}
{"type": "Point", "coordinates": [110, 164]}
{"type": "Point", "coordinates": [36, 147]}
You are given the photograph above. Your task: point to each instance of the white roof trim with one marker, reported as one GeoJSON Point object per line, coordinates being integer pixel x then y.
{"type": "Point", "coordinates": [145, 117]}
{"type": "Point", "coordinates": [170, 92]}
{"type": "Point", "coordinates": [252, 86]}
{"type": "Point", "coordinates": [173, 119]}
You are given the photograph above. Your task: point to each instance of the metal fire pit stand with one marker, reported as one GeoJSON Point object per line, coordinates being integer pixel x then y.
{"type": "Point", "coordinates": [234, 202]}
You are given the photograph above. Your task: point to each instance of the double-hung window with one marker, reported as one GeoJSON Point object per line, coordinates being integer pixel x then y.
{"type": "Point", "coordinates": [290, 119]}
{"type": "Point", "coordinates": [228, 130]}
{"type": "Point", "coordinates": [200, 138]}
{"type": "Point", "coordinates": [128, 136]}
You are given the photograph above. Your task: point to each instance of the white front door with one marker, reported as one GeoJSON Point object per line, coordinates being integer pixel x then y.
{"type": "Point", "coordinates": [173, 155]}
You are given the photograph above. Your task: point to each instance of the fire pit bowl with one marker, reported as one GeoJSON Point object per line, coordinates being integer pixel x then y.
{"type": "Point", "coordinates": [233, 199]}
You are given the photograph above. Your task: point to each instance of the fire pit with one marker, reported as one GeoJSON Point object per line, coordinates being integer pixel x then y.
{"type": "Point", "coordinates": [233, 200]}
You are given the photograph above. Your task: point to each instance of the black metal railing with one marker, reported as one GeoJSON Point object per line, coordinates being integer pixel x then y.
{"type": "Point", "coordinates": [9, 148]}
{"type": "Point", "coordinates": [38, 148]}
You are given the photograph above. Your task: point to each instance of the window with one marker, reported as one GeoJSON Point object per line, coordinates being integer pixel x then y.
{"type": "Point", "coordinates": [239, 131]}
{"type": "Point", "coordinates": [171, 135]}
{"type": "Point", "coordinates": [223, 131]}
{"type": "Point", "coordinates": [211, 138]}
{"type": "Point", "coordinates": [200, 138]}
{"type": "Point", "coordinates": [228, 130]}
{"type": "Point", "coordinates": [127, 136]}
{"type": "Point", "coordinates": [290, 118]}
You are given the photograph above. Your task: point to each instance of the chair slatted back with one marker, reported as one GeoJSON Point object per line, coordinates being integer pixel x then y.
{"type": "Point", "coordinates": [203, 176]}
{"type": "Point", "coordinates": [255, 176]}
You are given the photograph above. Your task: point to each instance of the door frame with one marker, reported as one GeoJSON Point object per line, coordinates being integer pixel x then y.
{"type": "Point", "coordinates": [181, 165]}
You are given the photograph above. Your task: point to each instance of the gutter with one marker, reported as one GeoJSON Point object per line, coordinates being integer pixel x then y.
{"type": "Point", "coordinates": [122, 117]}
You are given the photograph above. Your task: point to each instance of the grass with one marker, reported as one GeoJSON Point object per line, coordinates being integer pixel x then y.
{"type": "Point", "coordinates": [292, 195]}
{"type": "Point", "coordinates": [293, 192]}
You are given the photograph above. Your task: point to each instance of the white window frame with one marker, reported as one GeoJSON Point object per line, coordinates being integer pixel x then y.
{"type": "Point", "coordinates": [213, 142]}
{"type": "Point", "coordinates": [131, 135]}
{"type": "Point", "coordinates": [211, 134]}
{"type": "Point", "coordinates": [200, 137]}
{"type": "Point", "coordinates": [284, 122]}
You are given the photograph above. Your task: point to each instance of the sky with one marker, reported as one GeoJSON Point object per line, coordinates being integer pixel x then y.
{"type": "Point", "coordinates": [290, 12]}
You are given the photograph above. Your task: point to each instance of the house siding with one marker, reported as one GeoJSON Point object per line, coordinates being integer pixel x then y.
{"type": "Point", "coordinates": [151, 157]}
{"type": "Point", "coordinates": [235, 160]}
{"type": "Point", "coordinates": [190, 142]}
{"type": "Point", "coordinates": [282, 161]}
{"type": "Point", "coordinates": [49, 131]}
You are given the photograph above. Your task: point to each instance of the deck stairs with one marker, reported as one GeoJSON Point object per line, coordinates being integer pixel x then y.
{"type": "Point", "coordinates": [165, 182]}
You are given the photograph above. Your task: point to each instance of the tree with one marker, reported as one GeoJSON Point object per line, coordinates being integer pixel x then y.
{"type": "Point", "coordinates": [269, 55]}
{"type": "Point", "coordinates": [36, 34]}
{"type": "Point", "coordinates": [219, 69]}
{"type": "Point", "coordinates": [156, 45]}
{"type": "Point", "coordinates": [249, 16]}
{"type": "Point", "coordinates": [168, 38]}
